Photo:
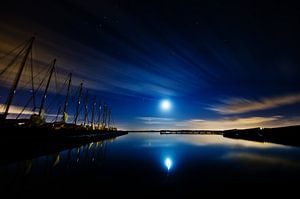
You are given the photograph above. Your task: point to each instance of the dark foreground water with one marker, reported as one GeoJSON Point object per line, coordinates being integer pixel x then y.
{"type": "Point", "coordinates": [152, 163]}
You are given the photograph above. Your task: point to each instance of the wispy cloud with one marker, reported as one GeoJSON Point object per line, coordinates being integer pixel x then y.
{"type": "Point", "coordinates": [239, 123]}
{"type": "Point", "coordinates": [217, 124]}
{"type": "Point", "coordinates": [27, 112]}
{"type": "Point", "coordinates": [16, 110]}
{"type": "Point", "coordinates": [110, 72]}
{"type": "Point", "coordinates": [242, 105]}
{"type": "Point", "coordinates": [157, 120]}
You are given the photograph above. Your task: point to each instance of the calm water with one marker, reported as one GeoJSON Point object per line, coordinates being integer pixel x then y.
{"type": "Point", "coordinates": [152, 162]}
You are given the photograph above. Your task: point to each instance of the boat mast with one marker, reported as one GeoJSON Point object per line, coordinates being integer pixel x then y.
{"type": "Point", "coordinates": [46, 89]}
{"type": "Point", "coordinates": [85, 108]}
{"type": "Point", "coordinates": [67, 99]}
{"type": "Point", "coordinates": [93, 112]}
{"type": "Point", "coordinates": [17, 79]}
{"type": "Point", "coordinates": [109, 115]}
{"type": "Point", "coordinates": [99, 115]}
{"type": "Point", "coordinates": [57, 113]}
{"type": "Point", "coordinates": [78, 103]}
{"type": "Point", "coordinates": [104, 116]}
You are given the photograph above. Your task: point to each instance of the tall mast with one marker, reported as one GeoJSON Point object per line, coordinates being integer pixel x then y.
{"type": "Point", "coordinates": [46, 89]}
{"type": "Point", "coordinates": [93, 112]}
{"type": "Point", "coordinates": [67, 99]}
{"type": "Point", "coordinates": [85, 108]}
{"type": "Point", "coordinates": [99, 115]}
{"type": "Point", "coordinates": [109, 115]}
{"type": "Point", "coordinates": [17, 79]}
{"type": "Point", "coordinates": [58, 111]}
{"type": "Point", "coordinates": [78, 103]}
{"type": "Point", "coordinates": [104, 116]}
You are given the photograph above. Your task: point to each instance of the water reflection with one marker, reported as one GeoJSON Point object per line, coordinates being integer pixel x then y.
{"type": "Point", "coordinates": [54, 164]}
{"type": "Point", "coordinates": [142, 160]}
{"type": "Point", "coordinates": [247, 158]}
{"type": "Point", "coordinates": [168, 163]}
{"type": "Point", "coordinates": [200, 140]}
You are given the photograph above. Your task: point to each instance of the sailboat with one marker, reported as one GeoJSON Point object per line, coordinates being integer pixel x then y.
{"type": "Point", "coordinates": [36, 126]}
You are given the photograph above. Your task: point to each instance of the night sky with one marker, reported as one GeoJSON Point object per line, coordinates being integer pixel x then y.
{"type": "Point", "coordinates": [221, 64]}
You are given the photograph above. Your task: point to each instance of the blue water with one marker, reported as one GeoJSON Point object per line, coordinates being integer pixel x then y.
{"type": "Point", "coordinates": [150, 161]}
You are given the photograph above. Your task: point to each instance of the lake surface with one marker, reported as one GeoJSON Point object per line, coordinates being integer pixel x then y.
{"type": "Point", "coordinates": [151, 162]}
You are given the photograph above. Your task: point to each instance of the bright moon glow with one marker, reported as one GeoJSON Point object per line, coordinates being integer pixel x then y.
{"type": "Point", "coordinates": [168, 163]}
{"type": "Point", "coordinates": [165, 105]}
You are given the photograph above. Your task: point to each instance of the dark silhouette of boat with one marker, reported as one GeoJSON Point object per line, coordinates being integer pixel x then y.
{"type": "Point", "coordinates": [37, 131]}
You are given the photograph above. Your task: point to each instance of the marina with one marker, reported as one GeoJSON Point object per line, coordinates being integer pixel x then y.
{"type": "Point", "coordinates": [34, 135]}
{"type": "Point", "coordinates": [149, 99]}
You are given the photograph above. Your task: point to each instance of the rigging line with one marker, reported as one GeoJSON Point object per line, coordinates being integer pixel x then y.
{"type": "Point", "coordinates": [74, 99]}
{"type": "Point", "coordinates": [56, 95]}
{"type": "Point", "coordinates": [12, 61]}
{"type": "Point", "coordinates": [29, 100]}
{"type": "Point", "coordinates": [48, 108]}
{"type": "Point", "coordinates": [87, 115]}
{"type": "Point", "coordinates": [55, 76]}
{"type": "Point", "coordinates": [59, 104]}
{"type": "Point", "coordinates": [15, 49]}
{"type": "Point", "coordinates": [38, 74]}
{"type": "Point", "coordinates": [59, 109]}
{"type": "Point", "coordinates": [43, 69]}
{"type": "Point", "coordinates": [32, 81]}
{"type": "Point", "coordinates": [56, 89]}
{"type": "Point", "coordinates": [29, 81]}
{"type": "Point", "coordinates": [57, 113]}
{"type": "Point", "coordinates": [6, 79]}
{"type": "Point", "coordinates": [22, 92]}
{"type": "Point", "coordinates": [37, 63]}
{"type": "Point", "coordinates": [36, 91]}
{"type": "Point", "coordinates": [79, 112]}
{"type": "Point", "coordinates": [55, 99]}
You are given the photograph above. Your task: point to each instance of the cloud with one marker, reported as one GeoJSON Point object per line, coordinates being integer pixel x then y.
{"type": "Point", "coordinates": [15, 110]}
{"type": "Point", "coordinates": [156, 120]}
{"type": "Point", "coordinates": [241, 105]}
{"type": "Point", "coordinates": [157, 123]}
{"type": "Point", "coordinates": [241, 123]}
{"type": "Point", "coordinates": [232, 123]}
{"type": "Point", "coordinates": [131, 75]}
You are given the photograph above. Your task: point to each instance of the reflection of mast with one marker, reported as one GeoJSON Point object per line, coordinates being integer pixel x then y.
{"type": "Point", "coordinates": [65, 115]}
{"type": "Point", "coordinates": [78, 103]}
{"type": "Point", "coordinates": [17, 79]}
{"type": "Point", "coordinates": [46, 89]}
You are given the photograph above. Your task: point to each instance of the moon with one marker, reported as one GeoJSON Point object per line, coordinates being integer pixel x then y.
{"type": "Point", "coordinates": [165, 105]}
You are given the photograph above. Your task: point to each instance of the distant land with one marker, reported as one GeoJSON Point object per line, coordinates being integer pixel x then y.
{"type": "Point", "coordinates": [286, 135]}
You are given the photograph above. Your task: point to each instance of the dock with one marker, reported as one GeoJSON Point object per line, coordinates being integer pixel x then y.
{"type": "Point", "coordinates": [191, 132]}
